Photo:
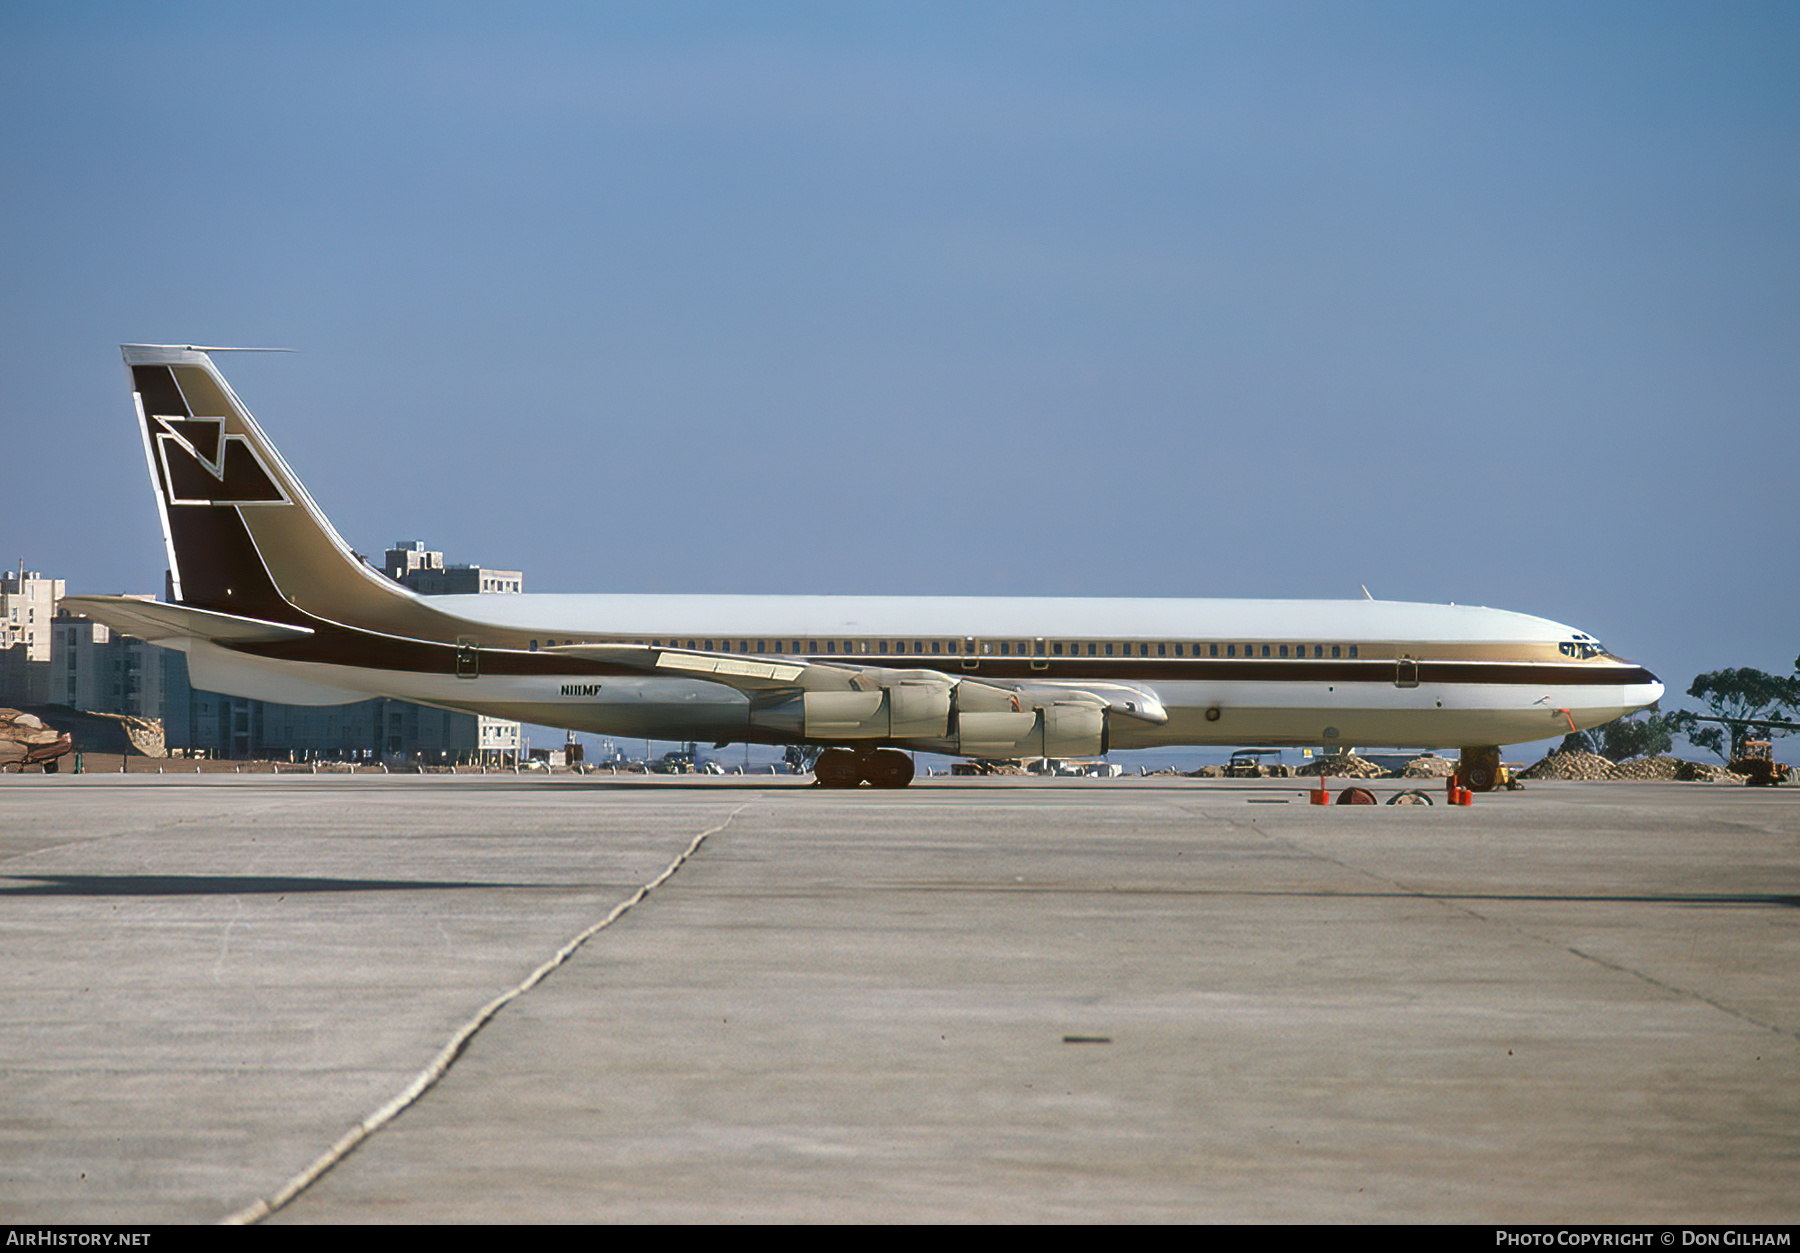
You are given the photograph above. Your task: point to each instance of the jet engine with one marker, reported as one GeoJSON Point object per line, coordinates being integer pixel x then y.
{"type": "Point", "coordinates": [901, 711]}
{"type": "Point", "coordinates": [968, 718]}
{"type": "Point", "coordinates": [1060, 729]}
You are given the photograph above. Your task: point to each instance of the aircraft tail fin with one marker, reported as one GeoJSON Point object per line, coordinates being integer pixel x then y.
{"type": "Point", "coordinates": [243, 536]}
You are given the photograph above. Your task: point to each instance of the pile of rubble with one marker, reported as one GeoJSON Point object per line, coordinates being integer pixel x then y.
{"type": "Point", "coordinates": [1429, 767]}
{"type": "Point", "coordinates": [1342, 766]}
{"type": "Point", "coordinates": [983, 765]}
{"type": "Point", "coordinates": [105, 733]}
{"type": "Point", "coordinates": [1663, 767]}
{"type": "Point", "coordinates": [1587, 767]}
{"type": "Point", "coordinates": [1701, 772]}
{"type": "Point", "coordinates": [1574, 766]}
{"type": "Point", "coordinates": [26, 741]}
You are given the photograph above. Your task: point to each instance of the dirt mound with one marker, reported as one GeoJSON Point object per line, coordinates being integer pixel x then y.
{"type": "Point", "coordinates": [1703, 772]}
{"type": "Point", "coordinates": [1649, 768]}
{"type": "Point", "coordinates": [25, 740]}
{"type": "Point", "coordinates": [105, 733]}
{"type": "Point", "coordinates": [1585, 767]}
{"type": "Point", "coordinates": [1342, 766]}
{"type": "Point", "coordinates": [1429, 767]}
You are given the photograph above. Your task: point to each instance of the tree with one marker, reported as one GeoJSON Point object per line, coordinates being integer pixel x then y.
{"type": "Point", "coordinates": [1577, 742]}
{"type": "Point", "coordinates": [1638, 737]}
{"type": "Point", "coordinates": [1624, 738]}
{"type": "Point", "coordinates": [1749, 701]}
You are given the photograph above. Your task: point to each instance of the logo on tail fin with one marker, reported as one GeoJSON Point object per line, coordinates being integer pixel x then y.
{"type": "Point", "coordinates": [201, 465]}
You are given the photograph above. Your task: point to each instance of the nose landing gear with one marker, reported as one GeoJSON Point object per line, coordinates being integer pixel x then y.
{"type": "Point", "coordinates": [1479, 768]}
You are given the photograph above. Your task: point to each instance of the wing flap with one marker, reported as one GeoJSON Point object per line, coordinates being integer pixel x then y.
{"type": "Point", "coordinates": [746, 674]}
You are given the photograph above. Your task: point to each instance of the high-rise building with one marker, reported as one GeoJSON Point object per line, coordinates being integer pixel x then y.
{"type": "Point", "coordinates": [27, 608]}
{"type": "Point", "coordinates": [410, 564]}
{"type": "Point", "coordinates": [97, 669]}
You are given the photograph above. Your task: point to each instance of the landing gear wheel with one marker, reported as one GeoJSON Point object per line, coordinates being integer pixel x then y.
{"type": "Point", "coordinates": [836, 767]}
{"type": "Point", "coordinates": [887, 767]}
{"type": "Point", "coordinates": [1479, 768]}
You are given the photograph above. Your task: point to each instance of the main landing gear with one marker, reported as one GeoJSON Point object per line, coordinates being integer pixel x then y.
{"type": "Point", "coordinates": [847, 767]}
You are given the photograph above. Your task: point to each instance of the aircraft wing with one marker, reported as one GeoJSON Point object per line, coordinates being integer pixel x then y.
{"type": "Point", "coordinates": [156, 620]}
{"type": "Point", "coordinates": [763, 674]}
{"type": "Point", "coordinates": [746, 674]}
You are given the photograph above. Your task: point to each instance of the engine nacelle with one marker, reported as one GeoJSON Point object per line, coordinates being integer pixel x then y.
{"type": "Point", "coordinates": [999, 734]}
{"type": "Point", "coordinates": [905, 711]}
{"type": "Point", "coordinates": [919, 711]}
{"type": "Point", "coordinates": [844, 715]}
{"type": "Point", "coordinates": [969, 718]}
{"type": "Point", "coordinates": [1074, 731]}
{"type": "Point", "coordinates": [1056, 730]}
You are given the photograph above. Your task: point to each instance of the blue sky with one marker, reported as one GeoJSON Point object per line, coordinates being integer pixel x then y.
{"type": "Point", "coordinates": [1491, 303]}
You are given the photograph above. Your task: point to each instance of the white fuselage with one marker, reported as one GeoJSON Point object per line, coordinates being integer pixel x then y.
{"type": "Point", "coordinates": [1225, 671]}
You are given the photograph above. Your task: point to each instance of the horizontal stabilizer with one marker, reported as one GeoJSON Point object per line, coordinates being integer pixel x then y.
{"type": "Point", "coordinates": [156, 620]}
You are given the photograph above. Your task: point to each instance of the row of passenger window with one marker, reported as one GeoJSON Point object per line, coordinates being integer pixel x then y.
{"type": "Point", "coordinates": [1097, 648]}
{"type": "Point", "coordinates": [999, 648]}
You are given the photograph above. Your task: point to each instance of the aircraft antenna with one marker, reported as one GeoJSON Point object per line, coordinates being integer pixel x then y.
{"type": "Point", "coordinates": [209, 348]}
{"type": "Point", "coordinates": [229, 348]}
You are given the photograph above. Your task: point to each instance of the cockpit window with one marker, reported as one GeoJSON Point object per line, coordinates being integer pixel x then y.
{"type": "Point", "coordinates": [1580, 648]}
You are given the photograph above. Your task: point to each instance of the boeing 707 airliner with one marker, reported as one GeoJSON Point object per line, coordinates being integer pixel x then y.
{"type": "Point", "coordinates": [269, 603]}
